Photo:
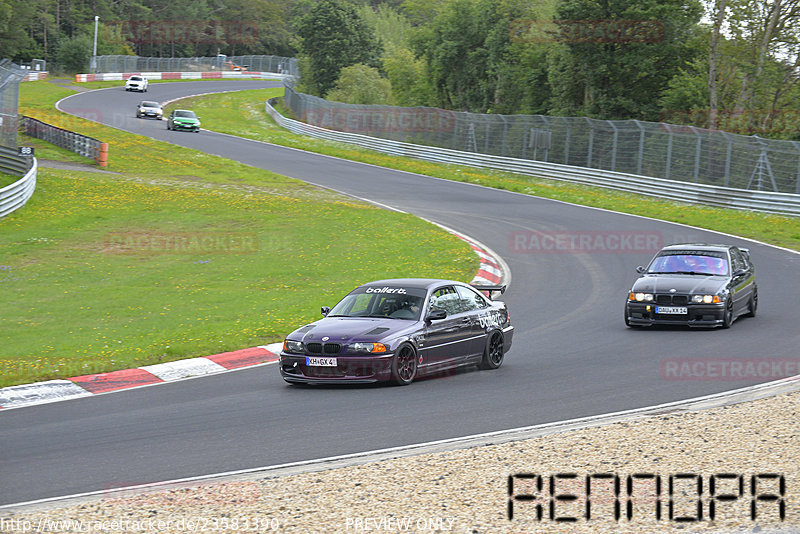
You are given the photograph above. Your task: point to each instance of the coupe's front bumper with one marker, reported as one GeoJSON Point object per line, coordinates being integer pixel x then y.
{"type": "Point", "coordinates": [706, 315]}
{"type": "Point", "coordinates": [181, 126]}
{"type": "Point", "coordinates": [349, 369]}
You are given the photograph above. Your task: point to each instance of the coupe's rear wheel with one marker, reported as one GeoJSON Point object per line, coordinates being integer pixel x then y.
{"type": "Point", "coordinates": [494, 352]}
{"type": "Point", "coordinates": [404, 365]}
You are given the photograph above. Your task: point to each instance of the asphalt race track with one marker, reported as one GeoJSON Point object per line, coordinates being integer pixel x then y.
{"type": "Point", "coordinates": [572, 354]}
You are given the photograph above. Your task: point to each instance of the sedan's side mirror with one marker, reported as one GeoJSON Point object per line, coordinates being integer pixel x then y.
{"type": "Point", "coordinates": [325, 310]}
{"type": "Point", "coordinates": [740, 272]}
{"type": "Point", "coordinates": [640, 269]}
{"type": "Point", "coordinates": [436, 315]}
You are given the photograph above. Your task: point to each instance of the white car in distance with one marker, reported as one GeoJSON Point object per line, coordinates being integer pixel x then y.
{"type": "Point", "coordinates": [136, 83]}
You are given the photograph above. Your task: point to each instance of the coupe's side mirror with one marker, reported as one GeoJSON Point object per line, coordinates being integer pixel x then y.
{"type": "Point", "coordinates": [640, 269]}
{"type": "Point", "coordinates": [436, 315]}
{"type": "Point", "coordinates": [325, 311]}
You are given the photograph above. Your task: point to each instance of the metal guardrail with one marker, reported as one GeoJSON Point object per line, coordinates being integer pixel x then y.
{"type": "Point", "coordinates": [15, 196]}
{"type": "Point", "coordinates": [88, 147]}
{"type": "Point", "coordinates": [658, 149]}
{"type": "Point", "coordinates": [724, 197]}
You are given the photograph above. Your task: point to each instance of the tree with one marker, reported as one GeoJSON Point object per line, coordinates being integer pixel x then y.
{"type": "Point", "coordinates": [333, 36]}
{"type": "Point", "coordinates": [627, 51]}
{"type": "Point", "coordinates": [361, 84]}
{"type": "Point", "coordinates": [455, 49]}
{"type": "Point", "coordinates": [74, 53]}
{"type": "Point", "coordinates": [409, 79]}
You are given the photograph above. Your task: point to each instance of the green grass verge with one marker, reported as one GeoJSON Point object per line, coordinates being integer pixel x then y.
{"type": "Point", "coordinates": [7, 179]}
{"type": "Point", "coordinates": [184, 254]}
{"type": "Point", "coordinates": [242, 113]}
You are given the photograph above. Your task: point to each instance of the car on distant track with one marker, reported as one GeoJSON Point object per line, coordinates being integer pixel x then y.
{"type": "Point", "coordinates": [183, 119]}
{"type": "Point", "coordinates": [398, 330]}
{"type": "Point", "coordinates": [694, 284]}
{"type": "Point", "coordinates": [147, 108]}
{"type": "Point", "coordinates": [136, 83]}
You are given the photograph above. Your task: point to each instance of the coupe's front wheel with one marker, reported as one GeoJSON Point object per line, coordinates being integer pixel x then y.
{"type": "Point", "coordinates": [494, 352]}
{"type": "Point", "coordinates": [727, 315]}
{"type": "Point", "coordinates": [404, 365]}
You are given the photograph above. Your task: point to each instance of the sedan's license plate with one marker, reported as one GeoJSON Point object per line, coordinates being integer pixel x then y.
{"type": "Point", "coordinates": [321, 362]}
{"type": "Point", "coordinates": [672, 310]}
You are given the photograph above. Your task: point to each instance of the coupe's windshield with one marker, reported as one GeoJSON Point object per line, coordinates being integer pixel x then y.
{"type": "Point", "coordinates": [689, 262]}
{"type": "Point", "coordinates": [185, 114]}
{"type": "Point", "coordinates": [384, 302]}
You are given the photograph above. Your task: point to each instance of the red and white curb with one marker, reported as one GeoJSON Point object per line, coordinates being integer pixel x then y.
{"type": "Point", "coordinates": [493, 269]}
{"type": "Point", "coordinates": [490, 272]}
{"type": "Point", "coordinates": [119, 76]}
{"type": "Point", "coordinates": [83, 386]}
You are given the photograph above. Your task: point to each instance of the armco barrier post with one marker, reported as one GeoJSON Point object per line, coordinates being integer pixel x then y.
{"type": "Point", "coordinates": [102, 158]}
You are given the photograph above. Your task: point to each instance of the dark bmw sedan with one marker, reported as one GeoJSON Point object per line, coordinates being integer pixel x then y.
{"type": "Point", "coordinates": [398, 330]}
{"type": "Point", "coordinates": [696, 285]}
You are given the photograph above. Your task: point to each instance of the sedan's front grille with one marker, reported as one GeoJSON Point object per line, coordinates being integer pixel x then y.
{"type": "Point", "coordinates": [672, 300]}
{"type": "Point", "coordinates": [327, 348]}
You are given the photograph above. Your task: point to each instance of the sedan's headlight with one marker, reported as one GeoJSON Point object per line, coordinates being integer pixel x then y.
{"type": "Point", "coordinates": [706, 299]}
{"type": "Point", "coordinates": [368, 347]}
{"type": "Point", "coordinates": [292, 346]}
{"type": "Point", "coordinates": [641, 297]}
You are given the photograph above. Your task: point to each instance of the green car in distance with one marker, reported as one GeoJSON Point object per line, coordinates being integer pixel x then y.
{"type": "Point", "coordinates": [183, 119]}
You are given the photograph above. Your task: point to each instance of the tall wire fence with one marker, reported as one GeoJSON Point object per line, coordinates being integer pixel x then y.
{"type": "Point", "coordinates": [279, 64]}
{"type": "Point", "coordinates": [10, 77]}
{"type": "Point", "coordinates": [656, 149]}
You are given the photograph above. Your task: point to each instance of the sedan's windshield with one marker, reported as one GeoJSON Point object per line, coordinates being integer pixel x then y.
{"type": "Point", "coordinates": [689, 262]}
{"type": "Point", "coordinates": [149, 104]}
{"type": "Point", "coordinates": [386, 302]}
{"type": "Point", "coordinates": [186, 114]}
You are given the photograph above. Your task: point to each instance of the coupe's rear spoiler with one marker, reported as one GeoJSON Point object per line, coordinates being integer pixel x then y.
{"type": "Point", "coordinates": [488, 290]}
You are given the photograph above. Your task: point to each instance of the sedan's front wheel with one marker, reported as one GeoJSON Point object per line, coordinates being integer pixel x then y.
{"type": "Point", "coordinates": [404, 365]}
{"type": "Point", "coordinates": [494, 352]}
{"type": "Point", "coordinates": [727, 315]}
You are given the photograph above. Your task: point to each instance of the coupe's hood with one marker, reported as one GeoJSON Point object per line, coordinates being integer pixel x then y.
{"type": "Point", "coordinates": [681, 283]}
{"type": "Point", "coordinates": [351, 329]}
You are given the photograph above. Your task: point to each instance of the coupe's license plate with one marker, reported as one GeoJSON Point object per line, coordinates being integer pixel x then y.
{"type": "Point", "coordinates": [672, 310]}
{"type": "Point", "coordinates": [321, 362]}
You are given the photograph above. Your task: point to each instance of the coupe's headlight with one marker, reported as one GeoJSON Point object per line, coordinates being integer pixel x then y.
{"type": "Point", "coordinates": [292, 346]}
{"type": "Point", "coordinates": [706, 299]}
{"type": "Point", "coordinates": [641, 297]}
{"type": "Point", "coordinates": [368, 347]}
